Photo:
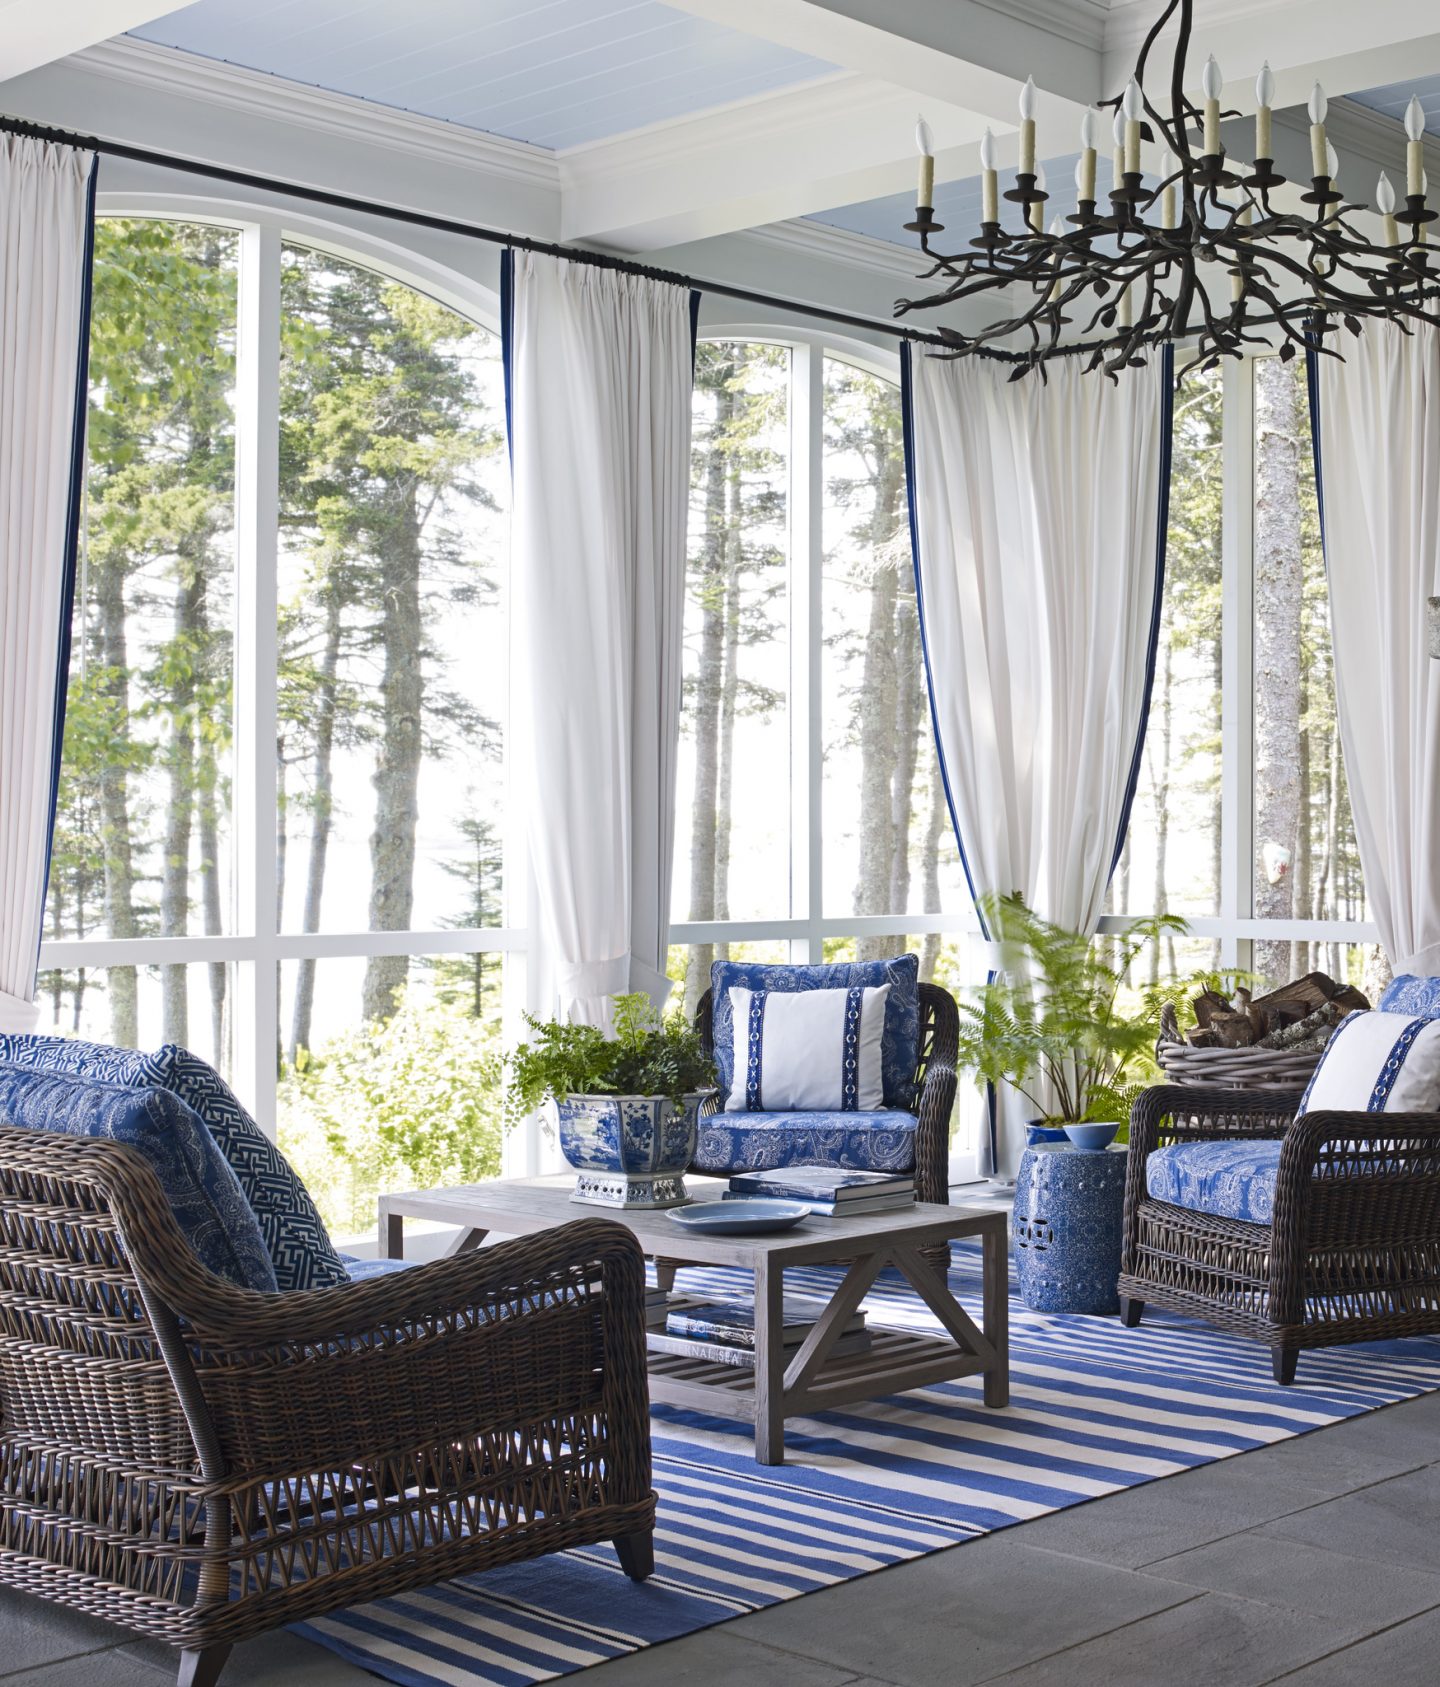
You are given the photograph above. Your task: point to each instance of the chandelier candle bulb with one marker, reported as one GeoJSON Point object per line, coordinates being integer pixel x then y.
{"type": "Point", "coordinates": [1264, 99]}
{"type": "Point", "coordinates": [1385, 204]}
{"type": "Point", "coordinates": [1211, 82]}
{"type": "Point", "coordinates": [1057, 229]}
{"type": "Point", "coordinates": [1117, 134]}
{"type": "Point", "coordinates": [1036, 209]}
{"type": "Point", "coordinates": [1027, 127]}
{"type": "Point", "coordinates": [925, 145]}
{"type": "Point", "coordinates": [1085, 169]}
{"type": "Point", "coordinates": [989, 181]}
{"type": "Point", "coordinates": [1167, 193]}
{"type": "Point", "coordinates": [1318, 106]}
{"type": "Point", "coordinates": [1237, 276]}
{"type": "Point", "coordinates": [1133, 106]}
{"type": "Point", "coordinates": [1415, 149]}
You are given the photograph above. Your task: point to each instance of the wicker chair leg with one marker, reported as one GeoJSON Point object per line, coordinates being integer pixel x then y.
{"type": "Point", "coordinates": [202, 1668]}
{"type": "Point", "coordinates": [1130, 1312]}
{"type": "Point", "coordinates": [938, 1259]}
{"type": "Point", "coordinates": [636, 1554]}
{"type": "Point", "coordinates": [1283, 1360]}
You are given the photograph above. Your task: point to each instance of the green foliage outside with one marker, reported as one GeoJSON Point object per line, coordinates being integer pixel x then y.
{"type": "Point", "coordinates": [409, 1104]}
{"type": "Point", "coordinates": [1055, 1025]}
{"type": "Point", "coordinates": [650, 1054]}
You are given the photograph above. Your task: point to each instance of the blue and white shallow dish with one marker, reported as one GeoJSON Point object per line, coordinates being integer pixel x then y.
{"type": "Point", "coordinates": [742, 1216]}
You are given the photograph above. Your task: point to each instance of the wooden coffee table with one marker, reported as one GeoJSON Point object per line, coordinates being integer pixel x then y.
{"type": "Point", "coordinates": [814, 1379]}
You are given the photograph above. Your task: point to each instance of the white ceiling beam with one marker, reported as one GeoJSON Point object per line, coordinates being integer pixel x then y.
{"type": "Point", "coordinates": [37, 32]}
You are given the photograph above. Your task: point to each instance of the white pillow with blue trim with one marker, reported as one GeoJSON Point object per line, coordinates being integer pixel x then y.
{"type": "Point", "coordinates": [1378, 1063]}
{"type": "Point", "coordinates": [808, 1050]}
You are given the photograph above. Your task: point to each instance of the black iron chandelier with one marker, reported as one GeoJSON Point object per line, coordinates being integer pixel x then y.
{"type": "Point", "coordinates": [1153, 268]}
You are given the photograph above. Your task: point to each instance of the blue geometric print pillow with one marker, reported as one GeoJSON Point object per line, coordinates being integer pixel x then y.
{"type": "Point", "coordinates": [300, 1247]}
{"type": "Point", "coordinates": [295, 1233]}
{"type": "Point", "coordinates": [900, 1048]}
{"type": "Point", "coordinates": [202, 1191]}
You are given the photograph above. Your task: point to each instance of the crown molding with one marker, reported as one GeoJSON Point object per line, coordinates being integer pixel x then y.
{"type": "Point", "coordinates": [1083, 23]}
{"type": "Point", "coordinates": [812, 239]}
{"type": "Point", "coordinates": [172, 71]}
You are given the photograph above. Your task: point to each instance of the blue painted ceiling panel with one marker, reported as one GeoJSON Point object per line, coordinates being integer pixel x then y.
{"type": "Point", "coordinates": [552, 72]}
{"type": "Point", "coordinates": [1391, 102]}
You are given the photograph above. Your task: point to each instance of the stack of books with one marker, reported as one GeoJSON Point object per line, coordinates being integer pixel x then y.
{"type": "Point", "coordinates": [828, 1193]}
{"type": "Point", "coordinates": [723, 1331]}
{"type": "Point", "coordinates": [657, 1303]}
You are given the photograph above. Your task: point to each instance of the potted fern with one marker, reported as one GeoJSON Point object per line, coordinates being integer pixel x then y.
{"type": "Point", "coordinates": [628, 1105]}
{"type": "Point", "coordinates": [1055, 1023]}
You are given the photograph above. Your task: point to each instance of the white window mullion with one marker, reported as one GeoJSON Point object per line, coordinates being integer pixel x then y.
{"type": "Point", "coordinates": [1237, 776]}
{"type": "Point", "coordinates": [807, 561]}
{"type": "Point", "coordinates": [257, 503]}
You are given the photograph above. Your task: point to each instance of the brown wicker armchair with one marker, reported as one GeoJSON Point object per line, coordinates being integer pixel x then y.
{"type": "Point", "coordinates": [203, 1463]}
{"type": "Point", "coordinates": [1351, 1254]}
{"type": "Point", "coordinates": [932, 1103]}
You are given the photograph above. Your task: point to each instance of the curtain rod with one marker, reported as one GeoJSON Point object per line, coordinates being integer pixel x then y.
{"type": "Point", "coordinates": [470, 231]}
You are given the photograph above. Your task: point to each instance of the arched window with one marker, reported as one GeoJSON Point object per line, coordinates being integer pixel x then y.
{"type": "Point", "coordinates": [280, 836]}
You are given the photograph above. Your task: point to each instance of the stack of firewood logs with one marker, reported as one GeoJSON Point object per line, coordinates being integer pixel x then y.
{"type": "Point", "coordinates": [1298, 1018]}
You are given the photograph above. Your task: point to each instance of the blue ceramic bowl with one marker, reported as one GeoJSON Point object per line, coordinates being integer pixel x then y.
{"type": "Point", "coordinates": [757, 1215]}
{"type": "Point", "coordinates": [1092, 1138]}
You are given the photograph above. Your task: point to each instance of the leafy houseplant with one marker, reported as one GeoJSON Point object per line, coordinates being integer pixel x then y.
{"type": "Point", "coordinates": [1054, 1024]}
{"type": "Point", "coordinates": [628, 1104]}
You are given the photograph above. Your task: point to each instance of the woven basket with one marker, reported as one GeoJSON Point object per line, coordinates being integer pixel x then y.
{"type": "Point", "coordinates": [1241, 1069]}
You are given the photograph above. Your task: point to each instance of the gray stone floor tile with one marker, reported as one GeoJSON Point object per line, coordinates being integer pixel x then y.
{"type": "Point", "coordinates": [1169, 1516]}
{"type": "Point", "coordinates": [1352, 1454]}
{"type": "Point", "coordinates": [1212, 1641]}
{"type": "Point", "coordinates": [716, 1655]}
{"type": "Point", "coordinates": [1404, 1656]}
{"type": "Point", "coordinates": [1303, 1577]}
{"type": "Point", "coordinates": [33, 1631]}
{"type": "Point", "coordinates": [279, 1659]}
{"type": "Point", "coordinates": [1394, 1522]}
{"type": "Point", "coordinates": [962, 1615]}
{"type": "Point", "coordinates": [94, 1669]}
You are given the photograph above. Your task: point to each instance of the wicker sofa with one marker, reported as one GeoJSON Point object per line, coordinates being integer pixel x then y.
{"type": "Point", "coordinates": [203, 1462]}
{"type": "Point", "coordinates": [1351, 1252]}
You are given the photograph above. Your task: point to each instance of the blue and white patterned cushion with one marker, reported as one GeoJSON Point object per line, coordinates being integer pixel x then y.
{"type": "Point", "coordinates": [1225, 1179]}
{"type": "Point", "coordinates": [300, 1247]}
{"type": "Point", "coordinates": [880, 1141]}
{"type": "Point", "coordinates": [900, 1050]}
{"type": "Point", "coordinates": [204, 1194]}
{"type": "Point", "coordinates": [1378, 1063]}
{"type": "Point", "coordinates": [808, 1049]}
{"type": "Point", "coordinates": [1418, 997]}
{"type": "Point", "coordinates": [362, 1270]}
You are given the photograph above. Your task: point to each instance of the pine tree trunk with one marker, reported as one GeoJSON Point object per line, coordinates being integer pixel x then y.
{"type": "Point", "coordinates": [397, 766]}
{"type": "Point", "coordinates": [909, 728]}
{"type": "Point", "coordinates": [705, 709]}
{"type": "Point", "coordinates": [180, 791]}
{"type": "Point", "coordinates": [873, 800]}
{"type": "Point", "coordinates": [113, 681]}
{"type": "Point", "coordinates": [1279, 584]}
{"type": "Point", "coordinates": [321, 820]}
{"type": "Point", "coordinates": [209, 821]}
{"type": "Point", "coordinates": [1300, 951]}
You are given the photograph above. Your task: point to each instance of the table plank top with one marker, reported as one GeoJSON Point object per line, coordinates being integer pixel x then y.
{"type": "Point", "coordinates": [521, 1206]}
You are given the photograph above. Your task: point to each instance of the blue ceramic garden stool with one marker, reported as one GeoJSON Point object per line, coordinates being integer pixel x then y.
{"type": "Point", "coordinates": [1069, 1207]}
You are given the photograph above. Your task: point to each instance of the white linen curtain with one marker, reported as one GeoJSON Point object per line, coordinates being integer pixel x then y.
{"type": "Point", "coordinates": [45, 219]}
{"type": "Point", "coordinates": [1038, 530]}
{"type": "Point", "coordinates": [601, 370]}
{"type": "Point", "coordinates": [1378, 460]}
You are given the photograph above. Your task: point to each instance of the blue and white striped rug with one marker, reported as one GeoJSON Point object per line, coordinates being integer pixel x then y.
{"type": "Point", "coordinates": [1094, 1408]}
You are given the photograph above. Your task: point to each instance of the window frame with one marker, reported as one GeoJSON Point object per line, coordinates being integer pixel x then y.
{"type": "Point", "coordinates": [256, 946]}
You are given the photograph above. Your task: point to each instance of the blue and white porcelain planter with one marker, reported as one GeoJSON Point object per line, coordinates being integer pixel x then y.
{"type": "Point", "coordinates": [629, 1150]}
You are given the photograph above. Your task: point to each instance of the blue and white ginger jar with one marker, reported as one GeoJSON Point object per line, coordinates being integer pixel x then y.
{"type": "Point", "coordinates": [630, 1150]}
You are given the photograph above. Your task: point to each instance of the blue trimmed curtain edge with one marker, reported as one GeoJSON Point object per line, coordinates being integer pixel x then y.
{"type": "Point", "coordinates": [72, 530]}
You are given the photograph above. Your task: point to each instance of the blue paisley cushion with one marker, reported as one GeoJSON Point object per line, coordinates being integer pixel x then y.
{"type": "Point", "coordinates": [300, 1247]}
{"type": "Point", "coordinates": [880, 1141]}
{"type": "Point", "coordinates": [1224, 1179]}
{"type": "Point", "coordinates": [1417, 997]}
{"type": "Point", "coordinates": [808, 1049]}
{"type": "Point", "coordinates": [900, 1045]}
{"type": "Point", "coordinates": [203, 1192]}
{"type": "Point", "coordinates": [1378, 1063]}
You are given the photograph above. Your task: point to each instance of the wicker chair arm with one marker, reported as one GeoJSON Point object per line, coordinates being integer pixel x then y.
{"type": "Point", "coordinates": [932, 1136]}
{"type": "Point", "coordinates": [1187, 1113]}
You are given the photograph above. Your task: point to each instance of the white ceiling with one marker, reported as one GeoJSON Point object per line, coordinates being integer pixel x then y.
{"type": "Point", "coordinates": [555, 73]}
